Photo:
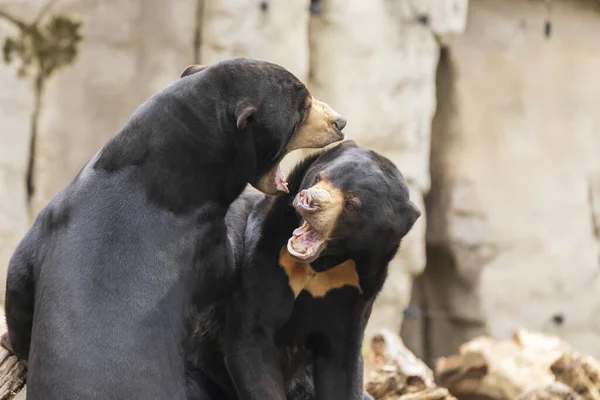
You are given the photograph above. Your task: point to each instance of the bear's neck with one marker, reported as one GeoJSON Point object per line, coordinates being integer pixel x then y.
{"type": "Point", "coordinates": [182, 151]}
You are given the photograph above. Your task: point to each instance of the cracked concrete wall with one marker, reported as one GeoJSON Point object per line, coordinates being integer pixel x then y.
{"type": "Point", "coordinates": [513, 213]}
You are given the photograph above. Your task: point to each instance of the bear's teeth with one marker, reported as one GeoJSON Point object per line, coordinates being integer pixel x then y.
{"type": "Point", "coordinates": [280, 181]}
{"type": "Point", "coordinates": [301, 251]}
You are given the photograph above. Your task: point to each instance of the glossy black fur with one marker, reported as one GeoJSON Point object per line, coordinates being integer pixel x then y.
{"type": "Point", "coordinates": [306, 337]}
{"type": "Point", "coordinates": [114, 263]}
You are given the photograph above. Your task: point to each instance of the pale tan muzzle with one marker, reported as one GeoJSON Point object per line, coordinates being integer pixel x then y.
{"type": "Point", "coordinates": [323, 207]}
{"type": "Point", "coordinates": [322, 127]}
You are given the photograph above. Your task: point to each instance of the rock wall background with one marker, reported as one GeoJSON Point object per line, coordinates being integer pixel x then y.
{"type": "Point", "coordinates": [512, 234]}
{"type": "Point", "coordinates": [495, 126]}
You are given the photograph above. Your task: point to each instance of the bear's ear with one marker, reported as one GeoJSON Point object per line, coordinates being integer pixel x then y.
{"type": "Point", "coordinates": [192, 69]}
{"type": "Point", "coordinates": [412, 214]}
{"type": "Point", "coordinates": [242, 114]}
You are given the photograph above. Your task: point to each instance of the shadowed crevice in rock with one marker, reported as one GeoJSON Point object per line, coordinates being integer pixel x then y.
{"type": "Point", "coordinates": [445, 297]}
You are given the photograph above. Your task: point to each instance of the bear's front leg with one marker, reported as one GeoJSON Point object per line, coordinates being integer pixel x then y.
{"type": "Point", "coordinates": [338, 372]}
{"type": "Point", "coordinates": [250, 353]}
{"type": "Point", "coordinates": [339, 376]}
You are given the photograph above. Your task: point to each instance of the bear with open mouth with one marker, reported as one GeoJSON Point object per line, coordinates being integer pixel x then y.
{"type": "Point", "coordinates": [313, 263]}
{"type": "Point", "coordinates": [102, 289]}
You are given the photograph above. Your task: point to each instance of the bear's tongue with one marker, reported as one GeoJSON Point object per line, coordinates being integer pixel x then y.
{"type": "Point", "coordinates": [280, 181]}
{"type": "Point", "coordinates": [305, 242]}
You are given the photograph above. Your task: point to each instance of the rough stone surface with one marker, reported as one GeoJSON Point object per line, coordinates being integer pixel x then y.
{"type": "Point", "coordinates": [380, 73]}
{"type": "Point", "coordinates": [514, 208]}
{"type": "Point", "coordinates": [239, 28]}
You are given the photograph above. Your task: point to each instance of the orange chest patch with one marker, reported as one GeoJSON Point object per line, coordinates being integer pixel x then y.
{"type": "Point", "coordinates": [318, 284]}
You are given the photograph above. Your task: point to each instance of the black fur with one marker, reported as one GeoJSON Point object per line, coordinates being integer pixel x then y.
{"type": "Point", "coordinates": [298, 339]}
{"type": "Point", "coordinates": [113, 264]}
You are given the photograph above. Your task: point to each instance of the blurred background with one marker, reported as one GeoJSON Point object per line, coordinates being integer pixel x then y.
{"type": "Point", "coordinates": [490, 108]}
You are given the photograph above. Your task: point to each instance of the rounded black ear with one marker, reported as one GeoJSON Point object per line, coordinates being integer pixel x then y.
{"type": "Point", "coordinates": [243, 114]}
{"type": "Point", "coordinates": [192, 69]}
{"type": "Point", "coordinates": [414, 213]}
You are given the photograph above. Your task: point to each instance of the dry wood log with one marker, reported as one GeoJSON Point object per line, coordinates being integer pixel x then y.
{"type": "Point", "coordinates": [12, 375]}
{"type": "Point", "coordinates": [22, 395]}
{"type": "Point", "coordinates": [553, 391]}
{"type": "Point", "coordinates": [579, 372]}
{"type": "Point", "coordinates": [531, 366]}
{"type": "Point", "coordinates": [392, 372]}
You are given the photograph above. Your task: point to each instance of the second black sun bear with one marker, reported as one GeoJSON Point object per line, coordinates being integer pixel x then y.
{"type": "Point", "coordinates": [100, 291]}
{"type": "Point", "coordinates": [294, 326]}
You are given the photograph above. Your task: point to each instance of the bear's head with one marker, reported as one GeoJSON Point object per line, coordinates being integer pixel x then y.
{"type": "Point", "coordinates": [273, 110]}
{"type": "Point", "coordinates": [351, 200]}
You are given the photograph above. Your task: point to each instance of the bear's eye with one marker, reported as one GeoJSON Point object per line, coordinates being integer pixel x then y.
{"type": "Point", "coordinates": [351, 203]}
{"type": "Point", "coordinates": [304, 111]}
{"type": "Point", "coordinates": [318, 178]}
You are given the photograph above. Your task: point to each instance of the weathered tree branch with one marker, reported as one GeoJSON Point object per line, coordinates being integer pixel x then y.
{"type": "Point", "coordinates": [12, 374]}
{"type": "Point", "coordinates": [14, 20]}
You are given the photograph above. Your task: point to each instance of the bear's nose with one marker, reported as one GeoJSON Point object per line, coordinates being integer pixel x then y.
{"type": "Point", "coordinates": [340, 123]}
{"type": "Point", "coordinates": [305, 199]}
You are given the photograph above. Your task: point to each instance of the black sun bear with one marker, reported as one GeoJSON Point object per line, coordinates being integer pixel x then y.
{"type": "Point", "coordinates": [100, 291]}
{"type": "Point", "coordinates": [312, 266]}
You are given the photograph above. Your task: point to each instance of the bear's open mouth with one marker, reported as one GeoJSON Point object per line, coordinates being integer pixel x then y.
{"type": "Point", "coordinates": [281, 181]}
{"type": "Point", "coordinates": [306, 243]}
